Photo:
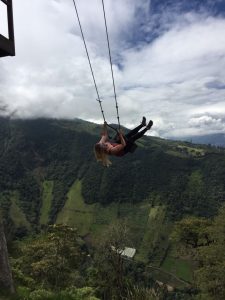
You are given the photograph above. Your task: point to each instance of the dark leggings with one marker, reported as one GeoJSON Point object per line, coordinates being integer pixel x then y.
{"type": "Point", "coordinates": [130, 138]}
{"type": "Point", "coordinates": [134, 134]}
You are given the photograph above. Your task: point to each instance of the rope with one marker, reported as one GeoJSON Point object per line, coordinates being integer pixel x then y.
{"type": "Point", "coordinates": [110, 58]}
{"type": "Point", "coordinates": [89, 61]}
{"type": "Point", "coordinates": [98, 97]}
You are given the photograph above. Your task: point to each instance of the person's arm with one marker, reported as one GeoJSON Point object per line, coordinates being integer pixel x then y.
{"type": "Point", "coordinates": [104, 134]}
{"type": "Point", "coordinates": [122, 140]}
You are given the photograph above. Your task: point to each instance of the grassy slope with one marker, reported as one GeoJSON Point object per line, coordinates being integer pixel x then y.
{"type": "Point", "coordinates": [75, 212]}
{"type": "Point", "coordinates": [179, 267]}
{"type": "Point", "coordinates": [87, 218]}
{"type": "Point", "coordinates": [16, 213]}
{"type": "Point", "coordinates": [155, 235]}
{"type": "Point", "coordinates": [46, 201]}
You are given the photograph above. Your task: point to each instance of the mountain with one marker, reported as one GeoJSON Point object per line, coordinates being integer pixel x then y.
{"type": "Point", "coordinates": [217, 139]}
{"type": "Point", "coordinates": [48, 174]}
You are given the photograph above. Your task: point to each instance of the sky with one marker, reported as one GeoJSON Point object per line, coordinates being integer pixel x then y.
{"type": "Point", "coordinates": [168, 62]}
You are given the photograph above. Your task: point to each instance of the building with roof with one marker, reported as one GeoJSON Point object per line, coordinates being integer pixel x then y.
{"type": "Point", "coordinates": [127, 252]}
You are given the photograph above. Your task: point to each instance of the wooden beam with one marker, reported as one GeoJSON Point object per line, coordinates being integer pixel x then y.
{"type": "Point", "coordinates": [7, 46]}
{"type": "Point", "coordinates": [11, 26]}
{"type": "Point", "coordinates": [5, 1]}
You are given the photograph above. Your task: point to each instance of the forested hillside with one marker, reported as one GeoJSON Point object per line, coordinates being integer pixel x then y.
{"type": "Point", "coordinates": [188, 178]}
{"type": "Point", "coordinates": [48, 174]}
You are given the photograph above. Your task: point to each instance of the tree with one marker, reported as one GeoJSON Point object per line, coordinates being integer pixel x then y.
{"type": "Point", "coordinates": [205, 240]}
{"type": "Point", "coordinates": [191, 233]}
{"type": "Point", "coordinates": [211, 274]}
{"type": "Point", "coordinates": [110, 274]}
{"type": "Point", "coordinates": [51, 260]}
{"type": "Point", "coordinates": [6, 281]}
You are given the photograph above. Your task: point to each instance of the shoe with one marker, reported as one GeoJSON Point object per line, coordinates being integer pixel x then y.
{"type": "Point", "coordinates": [150, 123]}
{"type": "Point", "coordinates": [143, 122]}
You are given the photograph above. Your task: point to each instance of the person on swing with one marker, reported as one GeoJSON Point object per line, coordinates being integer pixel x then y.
{"type": "Point", "coordinates": [122, 145]}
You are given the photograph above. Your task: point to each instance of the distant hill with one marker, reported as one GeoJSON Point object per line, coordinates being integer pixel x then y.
{"type": "Point", "coordinates": [209, 139]}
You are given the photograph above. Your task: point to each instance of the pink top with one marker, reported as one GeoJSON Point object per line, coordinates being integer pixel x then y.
{"type": "Point", "coordinates": [112, 148]}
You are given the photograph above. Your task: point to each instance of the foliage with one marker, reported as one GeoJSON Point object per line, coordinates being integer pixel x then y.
{"type": "Point", "coordinates": [114, 274]}
{"type": "Point", "coordinates": [138, 293]}
{"type": "Point", "coordinates": [110, 269]}
{"type": "Point", "coordinates": [49, 260]}
{"type": "Point", "coordinates": [54, 265]}
{"type": "Point", "coordinates": [206, 240]}
{"type": "Point", "coordinates": [72, 293]}
{"type": "Point", "coordinates": [192, 232]}
{"type": "Point", "coordinates": [211, 274]}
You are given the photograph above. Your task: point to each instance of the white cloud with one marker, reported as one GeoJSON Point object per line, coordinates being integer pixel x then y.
{"type": "Point", "coordinates": [170, 80]}
{"type": "Point", "coordinates": [207, 123]}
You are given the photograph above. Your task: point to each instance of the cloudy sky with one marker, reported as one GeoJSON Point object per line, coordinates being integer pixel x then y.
{"type": "Point", "coordinates": [168, 61]}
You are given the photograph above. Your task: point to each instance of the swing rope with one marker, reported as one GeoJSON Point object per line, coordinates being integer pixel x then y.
{"type": "Point", "coordinates": [96, 88]}
{"type": "Point", "coordinates": [110, 59]}
{"type": "Point", "coordinates": [92, 72]}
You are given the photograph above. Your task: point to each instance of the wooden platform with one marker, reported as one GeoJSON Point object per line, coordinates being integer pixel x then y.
{"type": "Point", "coordinates": [7, 45]}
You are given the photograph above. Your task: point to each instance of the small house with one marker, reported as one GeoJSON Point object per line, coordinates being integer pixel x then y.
{"type": "Point", "coordinates": [127, 252]}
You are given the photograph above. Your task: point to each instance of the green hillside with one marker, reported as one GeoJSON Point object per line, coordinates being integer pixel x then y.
{"type": "Point", "coordinates": [48, 174]}
{"type": "Point", "coordinates": [43, 158]}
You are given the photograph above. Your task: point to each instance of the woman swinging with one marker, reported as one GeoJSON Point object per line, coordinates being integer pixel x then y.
{"type": "Point", "coordinates": [122, 145]}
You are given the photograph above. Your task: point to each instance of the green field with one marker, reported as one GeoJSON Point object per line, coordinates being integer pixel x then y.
{"type": "Point", "coordinates": [46, 201]}
{"type": "Point", "coordinates": [16, 213]}
{"type": "Point", "coordinates": [179, 267]}
{"type": "Point", "coordinates": [191, 150]}
{"type": "Point", "coordinates": [75, 212]}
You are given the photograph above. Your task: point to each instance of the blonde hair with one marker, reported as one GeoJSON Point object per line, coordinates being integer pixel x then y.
{"type": "Point", "coordinates": [100, 155]}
